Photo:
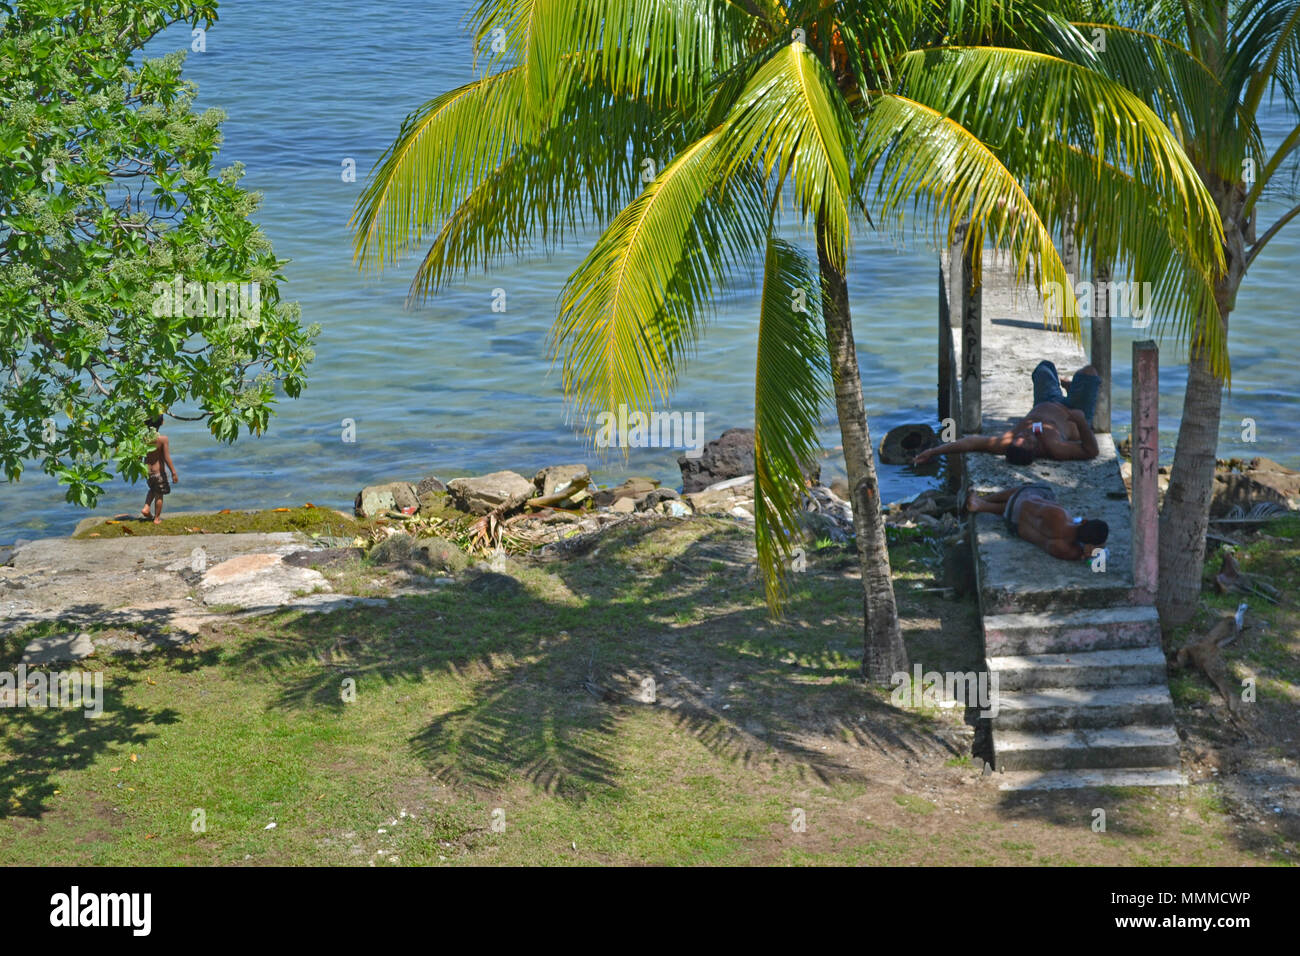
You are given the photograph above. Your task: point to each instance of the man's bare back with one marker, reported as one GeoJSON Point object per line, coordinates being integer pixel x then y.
{"type": "Point", "coordinates": [1033, 514]}
{"type": "Point", "coordinates": [1050, 430]}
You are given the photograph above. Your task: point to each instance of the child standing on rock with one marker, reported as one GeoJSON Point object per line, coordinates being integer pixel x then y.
{"type": "Point", "coordinates": [157, 458]}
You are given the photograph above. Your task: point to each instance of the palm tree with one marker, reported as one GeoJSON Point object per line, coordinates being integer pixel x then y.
{"type": "Point", "coordinates": [1207, 67]}
{"type": "Point", "coordinates": [775, 114]}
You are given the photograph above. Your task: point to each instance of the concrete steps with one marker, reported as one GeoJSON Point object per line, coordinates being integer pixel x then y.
{"type": "Point", "coordinates": [1138, 665]}
{"type": "Point", "coordinates": [1078, 779]}
{"type": "Point", "coordinates": [1057, 708]}
{"type": "Point", "coordinates": [1058, 632]}
{"type": "Point", "coordinates": [1074, 658]}
{"type": "Point", "coordinates": [1082, 699]}
{"type": "Point", "coordinates": [1088, 748]}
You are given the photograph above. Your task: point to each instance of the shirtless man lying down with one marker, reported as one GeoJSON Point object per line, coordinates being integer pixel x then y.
{"type": "Point", "coordinates": [1057, 427]}
{"type": "Point", "coordinates": [1031, 513]}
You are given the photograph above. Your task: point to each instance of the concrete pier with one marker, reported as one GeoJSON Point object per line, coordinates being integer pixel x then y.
{"type": "Point", "coordinates": [1075, 645]}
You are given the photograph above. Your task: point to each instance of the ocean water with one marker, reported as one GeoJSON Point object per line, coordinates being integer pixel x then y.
{"type": "Point", "coordinates": [451, 387]}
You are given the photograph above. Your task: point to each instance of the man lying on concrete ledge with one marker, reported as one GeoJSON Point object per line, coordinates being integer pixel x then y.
{"type": "Point", "coordinates": [1057, 427]}
{"type": "Point", "coordinates": [1031, 513]}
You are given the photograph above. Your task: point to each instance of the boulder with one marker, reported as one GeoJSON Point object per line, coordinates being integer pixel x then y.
{"type": "Point", "coordinates": [441, 554]}
{"type": "Point", "coordinates": [933, 503]}
{"type": "Point", "coordinates": [395, 549]}
{"type": "Point", "coordinates": [381, 499]}
{"type": "Point", "coordinates": [427, 484]}
{"type": "Point", "coordinates": [434, 503]}
{"type": "Point", "coordinates": [433, 552]}
{"type": "Point", "coordinates": [837, 513]}
{"type": "Point", "coordinates": [634, 488]}
{"type": "Point", "coordinates": [724, 497]}
{"type": "Point", "coordinates": [259, 581]}
{"type": "Point", "coordinates": [731, 455]}
{"type": "Point", "coordinates": [550, 480]}
{"type": "Point", "coordinates": [501, 489]}
{"type": "Point", "coordinates": [652, 500]}
{"type": "Point", "coordinates": [674, 508]}
{"type": "Point", "coordinates": [1262, 479]}
{"type": "Point", "coordinates": [904, 442]}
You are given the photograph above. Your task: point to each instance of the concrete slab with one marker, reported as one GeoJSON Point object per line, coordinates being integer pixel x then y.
{"type": "Point", "coordinates": [1014, 575]}
{"type": "Point", "coordinates": [1133, 666]}
{"type": "Point", "coordinates": [258, 581]}
{"type": "Point", "coordinates": [1136, 746]}
{"type": "Point", "coordinates": [1080, 707]}
{"type": "Point", "coordinates": [1058, 632]}
{"type": "Point", "coordinates": [1081, 779]}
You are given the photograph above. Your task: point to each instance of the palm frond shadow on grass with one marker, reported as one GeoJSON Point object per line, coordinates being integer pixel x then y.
{"type": "Point", "coordinates": [42, 744]}
{"type": "Point", "coordinates": [551, 681]}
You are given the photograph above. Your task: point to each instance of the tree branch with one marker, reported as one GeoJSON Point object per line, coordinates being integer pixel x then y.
{"type": "Point", "coordinates": [1273, 230]}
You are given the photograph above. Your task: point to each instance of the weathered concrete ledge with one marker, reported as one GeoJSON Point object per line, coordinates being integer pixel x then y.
{"type": "Point", "coordinates": [1014, 575]}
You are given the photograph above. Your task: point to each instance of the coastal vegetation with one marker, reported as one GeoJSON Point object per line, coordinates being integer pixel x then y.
{"type": "Point", "coordinates": [719, 131]}
{"type": "Point", "coordinates": [108, 202]}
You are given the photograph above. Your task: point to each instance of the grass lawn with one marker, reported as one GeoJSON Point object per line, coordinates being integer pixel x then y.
{"type": "Point", "coordinates": [631, 705]}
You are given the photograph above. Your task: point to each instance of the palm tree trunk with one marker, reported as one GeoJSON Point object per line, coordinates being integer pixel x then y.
{"type": "Point", "coordinates": [1186, 514]}
{"type": "Point", "coordinates": [883, 651]}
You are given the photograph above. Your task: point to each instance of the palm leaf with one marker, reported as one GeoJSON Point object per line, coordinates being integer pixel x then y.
{"type": "Point", "coordinates": [791, 122]}
{"type": "Point", "coordinates": [443, 150]}
{"type": "Point", "coordinates": [790, 388]}
{"type": "Point", "coordinates": [634, 309]}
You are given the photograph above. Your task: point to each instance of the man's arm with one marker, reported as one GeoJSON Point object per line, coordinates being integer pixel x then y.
{"type": "Point", "coordinates": [960, 447]}
{"type": "Point", "coordinates": [1086, 438]}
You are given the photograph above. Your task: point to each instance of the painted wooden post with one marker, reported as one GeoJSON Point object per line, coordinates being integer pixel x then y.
{"type": "Point", "coordinates": [1100, 350]}
{"type": "Point", "coordinates": [971, 352]}
{"type": "Point", "coordinates": [1146, 461]}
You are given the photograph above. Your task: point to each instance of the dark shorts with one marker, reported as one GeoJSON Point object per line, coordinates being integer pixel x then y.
{"type": "Point", "coordinates": [1083, 389]}
{"type": "Point", "coordinates": [158, 484]}
{"type": "Point", "coordinates": [1011, 510]}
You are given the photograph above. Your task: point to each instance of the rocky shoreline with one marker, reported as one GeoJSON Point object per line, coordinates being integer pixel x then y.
{"type": "Point", "coordinates": [561, 507]}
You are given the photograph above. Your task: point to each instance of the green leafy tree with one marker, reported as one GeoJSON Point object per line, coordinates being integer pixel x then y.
{"type": "Point", "coordinates": [748, 118]}
{"type": "Point", "coordinates": [1209, 68]}
{"type": "Point", "coordinates": [120, 249]}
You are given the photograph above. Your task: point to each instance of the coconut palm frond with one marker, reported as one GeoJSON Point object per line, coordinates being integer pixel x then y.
{"type": "Point", "coordinates": [633, 310]}
{"type": "Point", "coordinates": [927, 161]}
{"type": "Point", "coordinates": [443, 150]}
{"type": "Point", "coordinates": [792, 123]}
{"type": "Point", "coordinates": [790, 390]}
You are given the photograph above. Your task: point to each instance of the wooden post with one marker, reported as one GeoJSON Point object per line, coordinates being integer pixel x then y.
{"type": "Point", "coordinates": [971, 353]}
{"type": "Point", "coordinates": [1100, 350]}
{"type": "Point", "coordinates": [1070, 248]}
{"type": "Point", "coordinates": [1146, 462]}
{"type": "Point", "coordinates": [945, 346]}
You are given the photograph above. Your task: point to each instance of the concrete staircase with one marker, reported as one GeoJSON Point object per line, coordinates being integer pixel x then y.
{"type": "Point", "coordinates": [1082, 699]}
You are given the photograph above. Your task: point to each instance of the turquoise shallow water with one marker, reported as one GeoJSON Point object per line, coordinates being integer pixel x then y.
{"type": "Point", "coordinates": [452, 387]}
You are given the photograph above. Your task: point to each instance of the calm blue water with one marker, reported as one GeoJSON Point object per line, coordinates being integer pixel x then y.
{"type": "Point", "coordinates": [453, 388]}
